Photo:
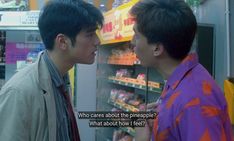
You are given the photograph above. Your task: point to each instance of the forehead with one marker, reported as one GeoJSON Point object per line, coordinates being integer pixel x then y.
{"type": "Point", "coordinates": [135, 27]}
{"type": "Point", "coordinates": [89, 29]}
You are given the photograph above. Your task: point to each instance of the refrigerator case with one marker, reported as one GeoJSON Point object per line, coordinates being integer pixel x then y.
{"type": "Point", "coordinates": [121, 86]}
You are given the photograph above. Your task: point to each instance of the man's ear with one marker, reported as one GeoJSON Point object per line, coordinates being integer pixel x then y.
{"type": "Point", "coordinates": [61, 41]}
{"type": "Point", "coordinates": [158, 49]}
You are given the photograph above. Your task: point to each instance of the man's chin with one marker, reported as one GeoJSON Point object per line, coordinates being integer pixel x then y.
{"type": "Point", "coordinates": [86, 63]}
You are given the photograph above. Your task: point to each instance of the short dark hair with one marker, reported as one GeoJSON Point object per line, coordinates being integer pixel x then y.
{"type": "Point", "coordinates": [169, 22]}
{"type": "Point", "coordinates": [67, 17]}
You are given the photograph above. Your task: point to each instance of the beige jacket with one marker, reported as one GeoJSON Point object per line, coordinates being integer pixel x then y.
{"type": "Point", "coordinates": [27, 106]}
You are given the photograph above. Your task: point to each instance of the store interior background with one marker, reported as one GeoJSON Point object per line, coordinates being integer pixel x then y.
{"type": "Point", "coordinates": [212, 13]}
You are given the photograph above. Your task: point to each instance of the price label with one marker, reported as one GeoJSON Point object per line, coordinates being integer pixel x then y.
{"type": "Point", "coordinates": [23, 18]}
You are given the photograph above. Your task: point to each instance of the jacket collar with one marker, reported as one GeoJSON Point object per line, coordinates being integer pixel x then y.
{"type": "Point", "coordinates": [43, 73]}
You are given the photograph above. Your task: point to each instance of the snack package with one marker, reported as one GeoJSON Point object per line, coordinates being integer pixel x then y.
{"type": "Point", "coordinates": [123, 73]}
{"type": "Point", "coordinates": [124, 96]}
{"type": "Point", "coordinates": [134, 102]}
{"type": "Point", "coordinates": [113, 94]}
{"type": "Point", "coordinates": [141, 76]}
{"type": "Point", "coordinates": [142, 107]}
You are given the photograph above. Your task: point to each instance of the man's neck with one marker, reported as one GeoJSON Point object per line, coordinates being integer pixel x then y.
{"type": "Point", "coordinates": [60, 61]}
{"type": "Point", "coordinates": [167, 66]}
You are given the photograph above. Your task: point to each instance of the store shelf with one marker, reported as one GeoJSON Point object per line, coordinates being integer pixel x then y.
{"type": "Point", "coordinates": [129, 130]}
{"type": "Point", "coordinates": [134, 83]}
{"type": "Point", "coordinates": [125, 63]}
{"type": "Point", "coordinates": [123, 106]}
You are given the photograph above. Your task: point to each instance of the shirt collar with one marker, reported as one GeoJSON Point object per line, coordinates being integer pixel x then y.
{"type": "Point", "coordinates": [185, 66]}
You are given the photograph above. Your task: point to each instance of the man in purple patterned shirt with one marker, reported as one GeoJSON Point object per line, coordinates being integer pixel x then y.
{"type": "Point", "coordinates": [192, 107]}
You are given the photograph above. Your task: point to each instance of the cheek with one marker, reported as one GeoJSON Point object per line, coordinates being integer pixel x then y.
{"type": "Point", "coordinates": [81, 53]}
{"type": "Point", "coordinates": [79, 49]}
{"type": "Point", "coordinates": [76, 52]}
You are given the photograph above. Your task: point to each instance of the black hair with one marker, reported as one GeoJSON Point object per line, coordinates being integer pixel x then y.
{"type": "Point", "coordinates": [169, 22]}
{"type": "Point", "coordinates": [67, 17]}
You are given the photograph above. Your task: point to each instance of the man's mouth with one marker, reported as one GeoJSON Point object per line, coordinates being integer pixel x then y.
{"type": "Point", "coordinates": [94, 52]}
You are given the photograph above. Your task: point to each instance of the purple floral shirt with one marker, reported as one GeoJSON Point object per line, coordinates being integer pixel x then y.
{"type": "Point", "coordinates": [193, 107]}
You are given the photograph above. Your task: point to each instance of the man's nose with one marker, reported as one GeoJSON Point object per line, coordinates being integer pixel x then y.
{"type": "Point", "coordinates": [97, 41]}
{"type": "Point", "coordinates": [133, 41]}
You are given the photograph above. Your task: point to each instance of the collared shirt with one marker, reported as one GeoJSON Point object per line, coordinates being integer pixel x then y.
{"type": "Point", "coordinates": [192, 108]}
{"type": "Point", "coordinates": [63, 130]}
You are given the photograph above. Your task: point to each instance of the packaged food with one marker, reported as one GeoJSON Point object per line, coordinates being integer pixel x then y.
{"type": "Point", "coordinates": [123, 73]}
{"type": "Point", "coordinates": [113, 94]}
{"type": "Point", "coordinates": [134, 102]}
{"type": "Point", "coordinates": [142, 107]}
{"type": "Point", "coordinates": [141, 76]}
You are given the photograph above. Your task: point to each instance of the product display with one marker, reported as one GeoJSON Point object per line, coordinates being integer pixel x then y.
{"type": "Point", "coordinates": [123, 73]}
{"type": "Point", "coordinates": [126, 98]}
{"type": "Point", "coordinates": [135, 82]}
{"type": "Point", "coordinates": [125, 88]}
{"type": "Point", "coordinates": [123, 56]}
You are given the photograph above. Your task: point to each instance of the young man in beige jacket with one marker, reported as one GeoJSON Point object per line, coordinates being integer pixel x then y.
{"type": "Point", "coordinates": [34, 103]}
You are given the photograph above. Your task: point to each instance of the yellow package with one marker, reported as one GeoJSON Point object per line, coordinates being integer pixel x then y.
{"type": "Point", "coordinates": [229, 95]}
